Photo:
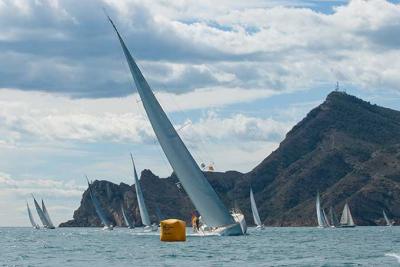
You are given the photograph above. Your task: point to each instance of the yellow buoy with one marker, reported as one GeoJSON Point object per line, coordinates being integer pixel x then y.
{"type": "Point", "coordinates": [172, 230]}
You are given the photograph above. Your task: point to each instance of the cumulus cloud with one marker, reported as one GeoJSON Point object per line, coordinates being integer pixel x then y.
{"type": "Point", "coordinates": [58, 46]}
{"type": "Point", "coordinates": [38, 186]}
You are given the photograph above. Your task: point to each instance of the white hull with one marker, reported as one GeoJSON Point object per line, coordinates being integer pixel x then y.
{"type": "Point", "coordinates": [260, 227]}
{"type": "Point", "coordinates": [108, 228]}
{"type": "Point", "coordinates": [150, 228]}
{"type": "Point", "coordinates": [236, 229]}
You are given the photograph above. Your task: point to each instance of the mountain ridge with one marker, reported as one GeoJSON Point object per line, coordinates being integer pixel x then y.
{"type": "Point", "coordinates": [331, 150]}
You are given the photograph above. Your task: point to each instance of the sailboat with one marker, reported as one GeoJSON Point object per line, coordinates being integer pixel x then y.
{"type": "Point", "coordinates": [128, 223]}
{"type": "Point", "coordinates": [346, 220]}
{"type": "Point", "coordinates": [388, 222]}
{"type": "Point", "coordinates": [103, 218]}
{"type": "Point", "coordinates": [320, 214]}
{"type": "Point", "coordinates": [254, 210]}
{"type": "Point", "coordinates": [34, 224]}
{"type": "Point", "coordinates": [50, 224]}
{"type": "Point", "coordinates": [328, 224]}
{"type": "Point", "coordinates": [159, 214]}
{"type": "Point", "coordinates": [144, 215]}
{"type": "Point", "coordinates": [42, 216]}
{"type": "Point", "coordinates": [212, 210]}
{"type": "Point", "coordinates": [332, 215]}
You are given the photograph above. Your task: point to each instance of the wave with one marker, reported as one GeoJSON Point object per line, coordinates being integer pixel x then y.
{"type": "Point", "coordinates": [397, 256]}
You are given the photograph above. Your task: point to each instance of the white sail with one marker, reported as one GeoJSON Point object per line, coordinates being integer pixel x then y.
{"type": "Point", "coordinates": [34, 224]}
{"type": "Point", "coordinates": [103, 218]}
{"type": "Point", "coordinates": [144, 215]}
{"type": "Point", "coordinates": [326, 221]}
{"type": "Point", "coordinates": [42, 216]}
{"type": "Point", "coordinates": [127, 222]}
{"type": "Point", "coordinates": [333, 219]}
{"type": "Point", "coordinates": [320, 215]}
{"type": "Point", "coordinates": [204, 198]}
{"type": "Point", "coordinates": [50, 223]}
{"type": "Point", "coordinates": [346, 219]}
{"type": "Point", "coordinates": [254, 209]}
{"type": "Point", "coordinates": [388, 223]}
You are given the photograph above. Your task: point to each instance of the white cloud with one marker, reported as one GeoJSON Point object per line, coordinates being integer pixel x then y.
{"type": "Point", "coordinates": [46, 117]}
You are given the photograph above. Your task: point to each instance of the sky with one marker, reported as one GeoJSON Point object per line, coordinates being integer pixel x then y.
{"type": "Point", "coordinates": [233, 76]}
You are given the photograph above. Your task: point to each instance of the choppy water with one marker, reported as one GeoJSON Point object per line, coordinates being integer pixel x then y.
{"type": "Point", "coordinates": [361, 246]}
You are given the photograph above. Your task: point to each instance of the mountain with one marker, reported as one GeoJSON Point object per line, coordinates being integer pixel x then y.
{"type": "Point", "coordinates": [346, 148]}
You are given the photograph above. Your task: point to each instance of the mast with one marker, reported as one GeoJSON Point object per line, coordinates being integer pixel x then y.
{"type": "Point", "coordinates": [204, 198]}
{"type": "Point", "coordinates": [144, 215]}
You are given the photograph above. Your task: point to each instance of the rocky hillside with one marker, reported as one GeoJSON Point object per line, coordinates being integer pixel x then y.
{"type": "Point", "coordinates": [346, 148]}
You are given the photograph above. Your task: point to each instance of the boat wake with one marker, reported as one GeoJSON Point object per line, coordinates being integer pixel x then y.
{"type": "Point", "coordinates": [397, 256]}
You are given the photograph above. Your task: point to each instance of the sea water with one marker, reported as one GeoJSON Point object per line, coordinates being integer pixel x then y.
{"type": "Point", "coordinates": [273, 246]}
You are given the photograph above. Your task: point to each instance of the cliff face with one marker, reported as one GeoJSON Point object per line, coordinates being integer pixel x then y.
{"type": "Point", "coordinates": [346, 148]}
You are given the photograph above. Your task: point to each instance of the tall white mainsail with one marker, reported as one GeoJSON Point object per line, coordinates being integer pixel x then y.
{"type": "Point", "coordinates": [34, 224]}
{"type": "Point", "coordinates": [103, 218]}
{"type": "Point", "coordinates": [213, 211]}
{"type": "Point", "coordinates": [144, 215]}
{"type": "Point", "coordinates": [346, 220]}
{"type": "Point", "coordinates": [254, 209]}
{"type": "Point", "coordinates": [388, 223]}
{"type": "Point", "coordinates": [320, 215]}
{"type": "Point", "coordinates": [50, 223]}
{"type": "Point", "coordinates": [42, 216]}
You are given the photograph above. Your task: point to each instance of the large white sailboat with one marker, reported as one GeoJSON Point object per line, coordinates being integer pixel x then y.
{"type": "Point", "coordinates": [99, 211]}
{"type": "Point", "coordinates": [34, 224]}
{"type": "Point", "coordinates": [321, 218]}
{"type": "Point", "coordinates": [254, 210]}
{"type": "Point", "coordinates": [346, 220]}
{"type": "Point", "coordinates": [204, 198]}
{"type": "Point", "coordinates": [144, 215]}
{"type": "Point", "coordinates": [388, 222]}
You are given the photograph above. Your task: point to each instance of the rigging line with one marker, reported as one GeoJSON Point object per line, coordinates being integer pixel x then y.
{"type": "Point", "coordinates": [202, 148]}
{"type": "Point", "coordinates": [155, 142]}
{"type": "Point", "coordinates": [179, 130]}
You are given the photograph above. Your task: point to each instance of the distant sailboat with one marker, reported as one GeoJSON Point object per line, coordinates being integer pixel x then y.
{"type": "Point", "coordinates": [333, 219]}
{"type": "Point", "coordinates": [212, 210]}
{"type": "Point", "coordinates": [346, 220]}
{"type": "Point", "coordinates": [144, 215]}
{"type": "Point", "coordinates": [128, 223]}
{"type": "Point", "coordinates": [254, 210]}
{"type": "Point", "coordinates": [320, 214]}
{"type": "Point", "coordinates": [327, 223]}
{"type": "Point", "coordinates": [34, 224]}
{"type": "Point", "coordinates": [41, 214]}
{"type": "Point", "coordinates": [99, 211]}
{"type": "Point", "coordinates": [159, 214]}
{"type": "Point", "coordinates": [388, 222]}
{"type": "Point", "coordinates": [49, 222]}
